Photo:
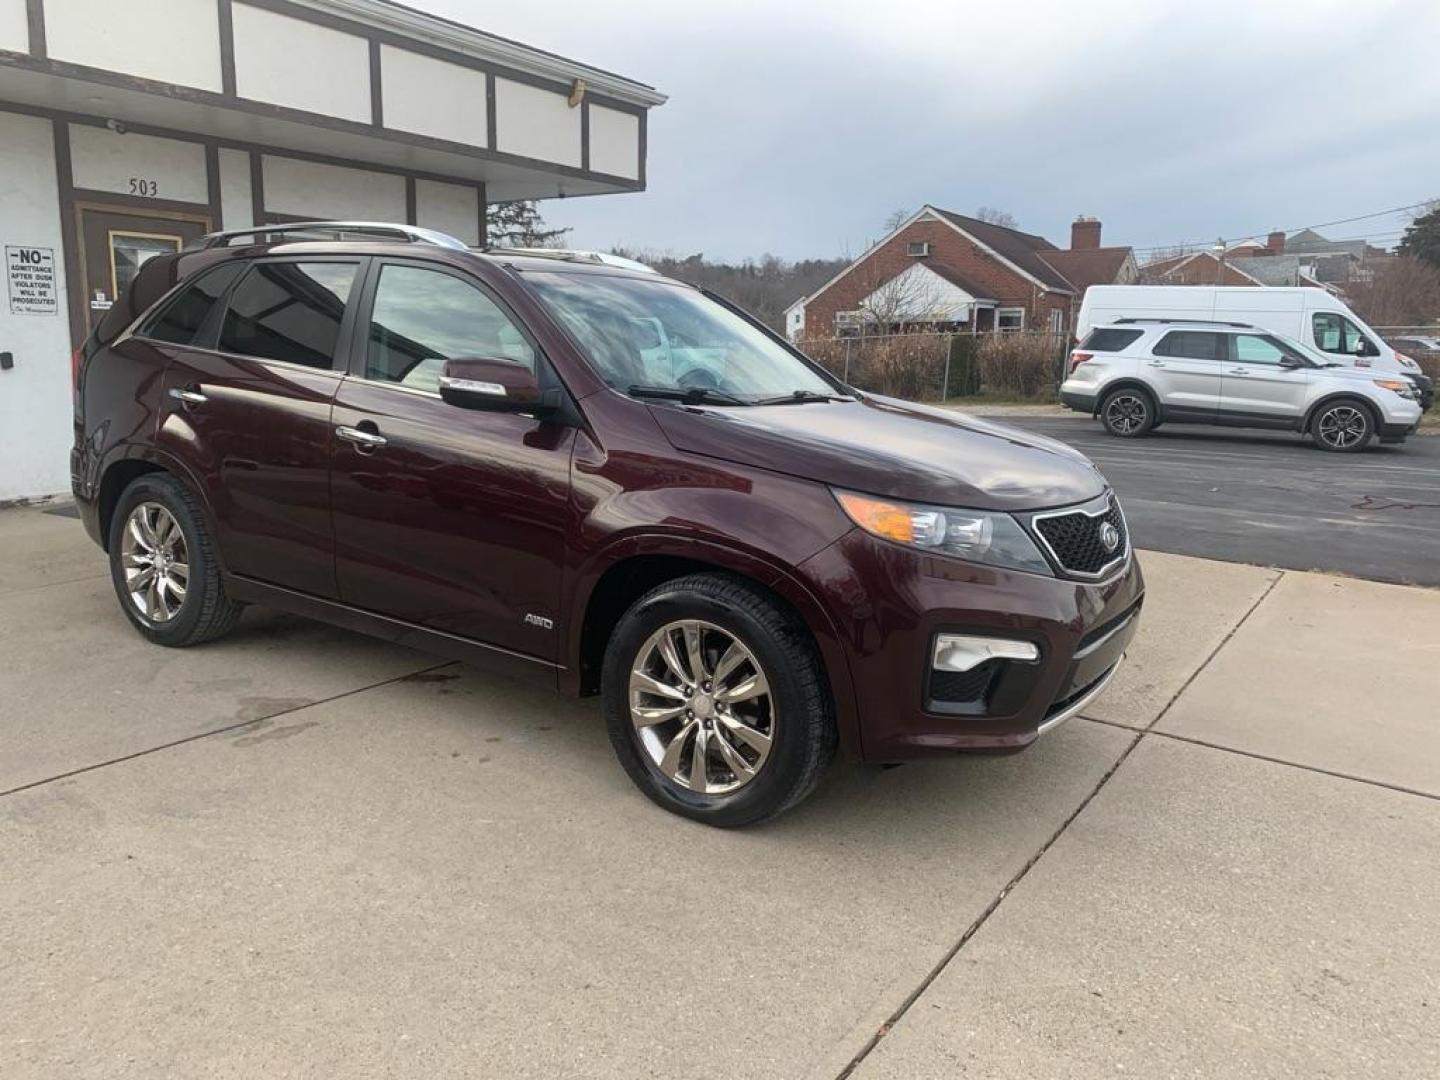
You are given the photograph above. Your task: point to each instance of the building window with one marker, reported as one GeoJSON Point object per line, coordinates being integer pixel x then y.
{"type": "Point", "coordinates": [918, 247]}
{"type": "Point", "coordinates": [849, 323]}
{"type": "Point", "coordinates": [1010, 318]}
{"type": "Point", "coordinates": [1057, 321]}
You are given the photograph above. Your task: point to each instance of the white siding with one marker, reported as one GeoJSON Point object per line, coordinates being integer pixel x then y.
{"type": "Point", "coordinates": [450, 208]}
{"type": "Point", "coordinates": [35, 394]}
{"type": "Point", "coordinates": [130, 164]}
{"type": "Point", "coordinates": [236, 208]}
{"type": "Point", "coordinates": [536, 123]}
{"type": "Point", "coordinates": [614, 142]}
{"type": "Point", "coordinates": [291, 62]}
{"type": "Point", "coordinates": [329, 191]}
{"type": "Point", "coordinates": [431, 97]}
{"type": "Point", "coordinates": [175, 41]}
{"type": "Point", "coordinates": [14, 27]}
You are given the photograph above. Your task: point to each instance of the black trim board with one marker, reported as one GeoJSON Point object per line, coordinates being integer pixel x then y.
{"type": "Point", "coordinates": [225, 13]}
{"type": "Point", "coordinates": [193, 96]}
{"type": "Point", "coordinates": [35, 23]}
{"type": "Point", "coordinates": [377, 90]}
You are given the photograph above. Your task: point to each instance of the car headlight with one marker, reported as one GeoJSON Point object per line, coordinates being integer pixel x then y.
{"type": "Point", "coordinates": [1406, 362]}
{"type": "Point", "coordinates": [976, 535]}
{"type": "Point", "coordinates": [1404, 387]}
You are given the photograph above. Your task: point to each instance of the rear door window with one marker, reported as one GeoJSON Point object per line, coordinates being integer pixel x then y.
{"type": "Point", "coordinates": [1192, 345]}
{"type": "Point", "coordinates": [1109, 339]}
{"type": "Point", "coordinates": [180, 320]}
{"type": "Point", "coordinates": [289, 311]}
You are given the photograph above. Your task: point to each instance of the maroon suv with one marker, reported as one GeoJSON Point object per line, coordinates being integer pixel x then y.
{"type": "Point", "coordinates": [602, 479]}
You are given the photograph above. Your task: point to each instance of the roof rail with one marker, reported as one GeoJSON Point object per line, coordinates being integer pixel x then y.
{"type": "Point", "coordinates": [369, 230]}
{"type": "Point", "coordinates": [1188, 322]}
{"type": "Point", "coordinates": [598, 258]}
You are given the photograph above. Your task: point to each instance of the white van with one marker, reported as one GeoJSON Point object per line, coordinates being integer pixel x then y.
{"type": "Point", "coordinates": [1307, 314]}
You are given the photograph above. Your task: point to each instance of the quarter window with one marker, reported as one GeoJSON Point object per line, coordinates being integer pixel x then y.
{"type": "Point", "coordinates": [1191, 345]}
{"type": "Point", "coordinates": [180, 320]}
{"type": "Point", "coordinates": [424, 317]}
{"type": "Point", "coordinates": [289, 311]}
{"type": "Point", "coordinates": [1253, 349]}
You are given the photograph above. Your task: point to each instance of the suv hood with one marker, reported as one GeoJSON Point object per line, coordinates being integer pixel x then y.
{"type": "Point", "coordinates": [891, 448]}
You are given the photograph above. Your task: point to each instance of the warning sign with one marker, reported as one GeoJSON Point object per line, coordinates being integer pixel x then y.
{"type": "Point", "coordinates": [31, 274]}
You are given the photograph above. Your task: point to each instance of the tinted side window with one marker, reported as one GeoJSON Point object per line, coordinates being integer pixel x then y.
{"type": "Point", "coordinates": [1192, 345]}
{"type": "Point", "coordinates": [289, 311]}
{"type": "Point", "coordinates": [1107, 339]}
{"type": "Point", "coordinates": [424, 317]}
{"type": "Point", "coordinates": [179, 320]}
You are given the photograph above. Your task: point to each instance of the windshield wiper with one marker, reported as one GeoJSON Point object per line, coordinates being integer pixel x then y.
{"type": "Point", "coordinates": [798, 397]}
{"type": "Point", "coordinates": [689, 395]}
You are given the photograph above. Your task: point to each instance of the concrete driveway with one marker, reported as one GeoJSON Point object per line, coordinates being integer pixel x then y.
{"type": "Point", "coordinates": [297, 852]}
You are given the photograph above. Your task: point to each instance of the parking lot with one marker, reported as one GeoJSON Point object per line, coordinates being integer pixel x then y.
{"type": "Point", "coordinates": [302, 852]}
{"type": "Point", "coordinates": [1272, 499]}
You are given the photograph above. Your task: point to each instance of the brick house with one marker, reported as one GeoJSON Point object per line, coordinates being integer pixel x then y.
{"type": "Point", "coordinates": [945, 271]}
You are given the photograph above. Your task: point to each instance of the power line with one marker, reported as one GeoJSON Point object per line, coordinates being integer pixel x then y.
{"type": "Point", "coordinates": [1301, 228]}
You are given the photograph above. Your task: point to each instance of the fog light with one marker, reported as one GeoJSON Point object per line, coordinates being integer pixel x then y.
{"type": "Point", "coordinates": [957, 652]}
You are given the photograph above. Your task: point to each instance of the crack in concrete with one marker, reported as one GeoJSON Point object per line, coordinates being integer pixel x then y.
{"type": "Point", "coordinates": [990, 908]}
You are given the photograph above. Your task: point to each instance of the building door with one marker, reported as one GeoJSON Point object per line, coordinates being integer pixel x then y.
{"type": "Point", "coordinates": [115, 243]}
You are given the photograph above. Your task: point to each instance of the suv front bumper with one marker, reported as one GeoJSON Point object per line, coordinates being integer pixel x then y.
{"type": "Point", "coordinates": [890, 604]}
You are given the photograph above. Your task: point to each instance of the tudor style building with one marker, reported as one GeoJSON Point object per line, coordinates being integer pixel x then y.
{"type": "Point", "coordinates": [127, 130]}
{"type": "Point", "coordinates": [942, 270]}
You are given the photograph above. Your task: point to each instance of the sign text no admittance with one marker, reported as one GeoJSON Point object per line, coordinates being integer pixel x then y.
{"type": "Point", "coordinates": [30, 273]}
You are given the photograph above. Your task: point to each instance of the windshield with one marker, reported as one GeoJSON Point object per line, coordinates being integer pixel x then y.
{"type": "Point", "coordinates": [656, 334]}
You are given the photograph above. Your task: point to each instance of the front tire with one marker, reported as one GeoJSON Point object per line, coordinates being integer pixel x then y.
{"type": "Point", "coordinates": [715, 701]}
{"type": "Point", "coordinates": [163, 565]}
{"type": "Point", "coordinates": [1128, 412]}
{"type": "Point", "coordinates": [1343, 427]}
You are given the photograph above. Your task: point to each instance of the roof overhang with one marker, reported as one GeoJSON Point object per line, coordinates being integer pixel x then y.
{"type": "Point", "coordinates": [61, 89]}
{"type": "Point", "coordinates": [431, 29]}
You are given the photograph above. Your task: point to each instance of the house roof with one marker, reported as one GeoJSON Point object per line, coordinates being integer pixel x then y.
{"type": "Point", "coordinates": [1162, 267]}
{"type": "Point", "coordinates": [1019, 248]}
{"type": "Point", "coordinates": [1088, 266]}
{"type": "Point", "coordinates": [960, 281]}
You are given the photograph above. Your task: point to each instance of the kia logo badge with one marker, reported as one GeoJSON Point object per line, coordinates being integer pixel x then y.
{"type": "Point", "coordinates": [1109, 536]}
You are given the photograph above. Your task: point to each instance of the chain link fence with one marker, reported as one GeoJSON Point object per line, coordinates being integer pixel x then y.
{"type": "Point", "coordinates": [1012, 365]}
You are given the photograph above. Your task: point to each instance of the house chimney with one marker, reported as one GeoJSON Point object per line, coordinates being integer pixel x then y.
{"type": "Point", "coordinates": [1275, 243]}
{"type": "Point", "coordinates": [1084, 233]}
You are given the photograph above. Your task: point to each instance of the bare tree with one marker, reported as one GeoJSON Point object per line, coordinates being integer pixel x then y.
{"type": "Point", "coordinates": [895, 220]}
{"type": "Point", "coordinates": [889, 305]}
{"type": "Point", "coordinates": [1402, 292]}
{"type": "Point", "coordinates": [995, 216]}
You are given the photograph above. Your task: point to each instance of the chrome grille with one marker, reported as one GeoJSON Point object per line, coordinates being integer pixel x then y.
{"type": "Point", "coordinates": [1074, 538]}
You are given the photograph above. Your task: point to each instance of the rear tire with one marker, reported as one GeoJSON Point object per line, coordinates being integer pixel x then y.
{"type": "Point", "coordinates": [759, 752]}
{"type": "Point", "coordinates": [1345, 426]}
{"type": "Point", "coordinates": [163, 565]}
{"type": "Point", "coordinates": [1128, 412]}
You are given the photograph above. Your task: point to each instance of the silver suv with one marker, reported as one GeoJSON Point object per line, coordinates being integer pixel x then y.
{"type": "Point", "coordinates": [1135, 374]}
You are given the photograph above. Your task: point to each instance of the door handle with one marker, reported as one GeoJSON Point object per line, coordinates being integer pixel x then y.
{"type": "Point", "coordinates": [365, 440]}
{"type": "Point", "coordinates": [1157, 363]}
{"type": "Point", "coordinates": [188, 397]}
{"type": "Point", "coordinates": [1239, 371]}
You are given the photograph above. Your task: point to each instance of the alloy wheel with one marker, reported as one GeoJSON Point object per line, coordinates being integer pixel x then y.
{"type": "Point", "coordinates": [702, 707]}
{"type": "Point", "coordinates": [155, 561]}
{"type": "Point", "coordinates": [1125, 413]}
{"type": "Point", "coordinates": [1342, 427]}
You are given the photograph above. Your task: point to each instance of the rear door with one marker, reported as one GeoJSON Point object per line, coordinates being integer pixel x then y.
{"type": "Point", "coordinates": [450, 518]}
{"type": "Point", "coordinates": [247, 408]}
{"type": "Point", "coordinates": [1258, 388]}
{"type": "Point", "coordinates": [1185, 369]}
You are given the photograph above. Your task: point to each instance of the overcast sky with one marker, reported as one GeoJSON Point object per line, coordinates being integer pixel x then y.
{"type": "Point", "coordinates": [796, 128]}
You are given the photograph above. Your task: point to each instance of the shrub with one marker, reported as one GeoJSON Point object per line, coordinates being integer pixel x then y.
{"type": "Point", "coordinates": [1020, 365]}
{"type": "Point", "coordinates": [964, 366]}
{"type": "Point", "coordinates": [908, 366]}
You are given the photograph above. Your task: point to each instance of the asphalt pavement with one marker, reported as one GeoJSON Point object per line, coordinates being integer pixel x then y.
{"type": "Point", "coordinates": [1271, 499]}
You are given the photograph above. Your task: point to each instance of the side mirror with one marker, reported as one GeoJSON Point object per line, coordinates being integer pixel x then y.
{"type": "Point", "coordinates": [492, 384]}
{"type": "Point", "coordinates": [1366, 347]}
{"type": "Point", "coordinates": [1290, 362]}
